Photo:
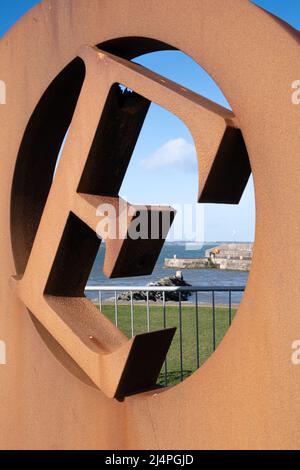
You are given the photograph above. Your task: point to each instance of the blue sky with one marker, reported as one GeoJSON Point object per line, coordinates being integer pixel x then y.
{"type": "Point", "coordinates": [163, 168]}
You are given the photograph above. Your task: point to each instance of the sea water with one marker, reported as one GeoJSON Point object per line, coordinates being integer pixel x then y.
{"type": "Point", "coordinates": [195, 277]}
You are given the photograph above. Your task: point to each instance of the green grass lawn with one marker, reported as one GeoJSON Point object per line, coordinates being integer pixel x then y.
{"type": "Point", "coordinates": [189, 340]}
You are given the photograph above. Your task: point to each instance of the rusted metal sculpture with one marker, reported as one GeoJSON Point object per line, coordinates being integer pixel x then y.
{"type": "Point", "coordinates": [246, 395]}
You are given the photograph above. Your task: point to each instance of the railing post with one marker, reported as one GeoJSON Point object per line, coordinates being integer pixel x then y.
{"type": "Point", "coordinates": [116, 308]}
{"type": "Point", "coordinates": [100, 299]}
{"type": "Point", "coordinates": [230, 315]}
{"type": "Point", "coordinates": [214, 320]}
{"type": "Point", "coordinates": [131, 314]}
{"type": "Point", "coordinates": [165, 326]}
{"type": "Point", "coordinates": [180, 337]}
{"type": "Point", "coordinates": [197, 331]}
{"type": "Point", "coordinates": [148, 311]}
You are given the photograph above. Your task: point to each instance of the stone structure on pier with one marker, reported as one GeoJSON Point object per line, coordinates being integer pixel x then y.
{"type": "Point", "coordinates": [231, 256]}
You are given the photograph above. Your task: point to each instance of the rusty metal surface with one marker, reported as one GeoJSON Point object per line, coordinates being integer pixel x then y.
{"type": "Point", "coordinates": [246, 395]}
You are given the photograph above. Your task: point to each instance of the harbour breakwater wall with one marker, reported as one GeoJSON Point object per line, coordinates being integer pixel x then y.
{"type": "Point", "coordinates": [230, 256]}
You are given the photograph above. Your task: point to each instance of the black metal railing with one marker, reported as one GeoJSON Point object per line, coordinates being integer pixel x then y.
{"type": "Point", "coordinates": [201, 321]}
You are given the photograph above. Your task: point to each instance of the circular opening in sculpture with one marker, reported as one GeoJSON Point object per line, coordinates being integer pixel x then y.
{"type": "Point", "coordinates": [198, 324]}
